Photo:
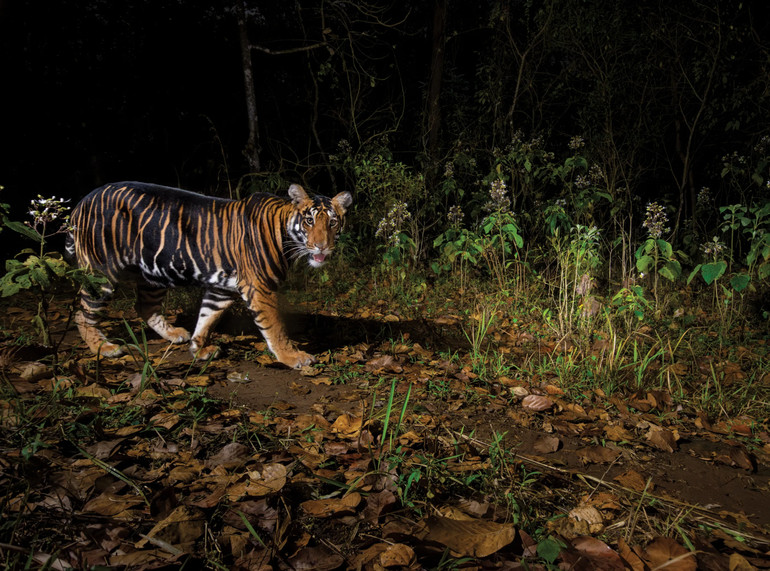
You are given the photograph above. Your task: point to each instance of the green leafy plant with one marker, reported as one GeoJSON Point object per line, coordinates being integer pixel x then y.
{"type": "Point", "coordinates": [733, 220]}
{"type": "Point", "coordinates": [656, 256]}
{"type": "Point", "coordinates": [477, 333]}
{"type": "Point", "coordinates": [501, 242]}
{"type": "Point", "coordinates": [577, 256]}
{"type": "Point", "coordinates": [457, 247]}
{"type": "Point", "coordinates": [399, 250]}
{"type": "Point", "coordinates": [630, 303]}
{"type": "Point", "coordinates": [758, 233]}
{"type": "Point", "coordinates": [41, 270]}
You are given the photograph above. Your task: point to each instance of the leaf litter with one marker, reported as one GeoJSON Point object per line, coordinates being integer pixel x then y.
{"type": "Point", "coordinates": [387, 455]}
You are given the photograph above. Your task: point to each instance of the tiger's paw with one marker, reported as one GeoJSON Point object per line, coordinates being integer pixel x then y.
{"type": "Point", "coordinates": [205, 353]}
{"type": "Point", "coordinates": [109, 350]}
{"type": "Point", "coordinates": [177, 335]}
{"type": "Point", "coordinates": [296, 359]}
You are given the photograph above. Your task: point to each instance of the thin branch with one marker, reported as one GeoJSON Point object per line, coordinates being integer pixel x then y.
{"type": "Point", "coordinates": [288, 51]}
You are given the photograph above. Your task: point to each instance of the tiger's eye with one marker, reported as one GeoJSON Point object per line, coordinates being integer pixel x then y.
{"type": "Point", "coordinates": [309, 220]}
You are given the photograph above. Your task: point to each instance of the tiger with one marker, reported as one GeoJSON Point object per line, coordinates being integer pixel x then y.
{"type": "Point", "coordinates": [159, 237]}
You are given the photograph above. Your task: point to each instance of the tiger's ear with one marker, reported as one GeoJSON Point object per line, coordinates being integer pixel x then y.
{"type": "Point", "coordinates": [297, 194]}
{"type": "Point", "coordinates": [342, 201]}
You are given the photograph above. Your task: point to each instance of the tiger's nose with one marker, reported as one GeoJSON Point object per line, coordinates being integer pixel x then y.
{"type": "Point", "coordinates": [319, 245]}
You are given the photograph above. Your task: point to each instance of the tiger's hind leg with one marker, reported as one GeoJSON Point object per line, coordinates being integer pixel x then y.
{"type": "Point", "coordinates": [213, 304]}
{"type": "Point", "coordinates": [87, 318]}
{"type": "Point", "coordinates": [149, 303]}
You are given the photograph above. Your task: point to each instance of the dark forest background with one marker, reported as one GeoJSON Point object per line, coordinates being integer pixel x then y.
{"type": "Point", "coordinates": [666, 97]}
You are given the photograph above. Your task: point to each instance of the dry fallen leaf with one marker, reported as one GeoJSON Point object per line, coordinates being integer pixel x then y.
{"type": "Point", "coordinates": [602, 501]}
{"type": "Point", "coordinates": [590, 553]}
{"type": "Point", "coordinates": [112, 505]}
{"type": "Point", "coordinates": [230, 456]}
{"type": "Point", "coordinates": [537, 403]}
{"type": "Point", "coordinates": [617, 433]}
{"type": "Point", "coordinates": [182, 528]}
{"type": "Point", "coordinates": [397, 555]}
{"type": "Point", "coordinates": [591, 516]}
{"type": "Point", "coordinates": [632, 560]}
{"type": "Point", "coordinates": [347, 425]}
{"type": "Point", "coordinates": [661, 438]}
{"type": "Point", "coordinates": [470, 537]}
{"type": "Point", "coordinates": [665, 553]}
{"type": "Point", "coordinates": [271, 478]}
{"type": "Point", "coordinates": [633, 480]}
{"type": "Point", "coordinates": [384, 364]}
{"type": "Point", "coordinates": [597, 455]}
{"type": "Point", "coordinates": [545, 444]}
{"type": "Point", "coordinates": [315, 559]}
{"type": "Point", "coordinates": [738, 563]}
{"type": "Point", "coordinates": [332, 506]}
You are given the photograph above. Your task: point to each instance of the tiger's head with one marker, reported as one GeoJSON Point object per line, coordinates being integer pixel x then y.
{"type": "Point", "coordinates": [315, 224]}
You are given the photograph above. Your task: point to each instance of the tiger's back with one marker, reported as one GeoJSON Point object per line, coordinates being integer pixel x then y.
{"type": "Point", "coordinates": [165, 236]}
{"type": "Point", "coordinates": [161, 237]}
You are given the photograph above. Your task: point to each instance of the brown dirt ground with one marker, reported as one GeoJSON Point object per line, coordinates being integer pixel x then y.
{"type": "Point", "coordinates": [684, 475]}
{"type": "Point", "coordinates": [688, 475]}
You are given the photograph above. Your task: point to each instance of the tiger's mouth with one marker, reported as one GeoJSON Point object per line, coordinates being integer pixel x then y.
{"type": "Point", "coordinates": [317, 259]}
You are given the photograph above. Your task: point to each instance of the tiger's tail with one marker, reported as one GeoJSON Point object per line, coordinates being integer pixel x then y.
{"type": "Point", "coordinates": [69, 247]}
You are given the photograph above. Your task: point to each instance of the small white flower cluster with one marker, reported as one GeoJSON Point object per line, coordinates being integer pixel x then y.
{"type": "Point", "coordinates": [713, 249]}
{"type": "Point", "coordinates": [344, 149]}
{"type": "Point", "coordinates": [582, 182]}
{"type": "Point", "coordinates": [455, 216]}
{"type": "Point", "coordinates": [763, 145]}
{"type": "Point", "coordinates": [390, 226]}
{"type": "Point", "coordinates": [734, 158]}
{"type": "Point", "coordinates": [655, 220]}
{"type": "Point", "coordinates": [45, 210]}
{"type": "Point", "coordinates": [704, 197]}
{"type": "Point", "coordinates": [576, 143]}
{"type": "Point", "coordinates": [498, 192]}
{"type": "Point", "coordinates": [596, 174]}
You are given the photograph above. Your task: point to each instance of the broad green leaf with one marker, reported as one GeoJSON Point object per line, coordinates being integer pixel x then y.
{"type": "Point", "coordinates": [713, 271]}
{"type": "Point", "coordinates": [645, 248]}
{"type": "Point", "coordinates": [9, 288]}
{"type": "Point", "coordinates": [643, 264]}
{"type": "Point", "coordinates": [22, 229]}
{"type": "Point", "coordinates": [671, 270]}
{"type": "Point", "coordinates": [549, 550]}
{"type": "Point", "coordinates": [740, 281]}
{"type": "Point", "coordinates": [694, 273]}
{"type": "Point", "coordinates": [666, 250]}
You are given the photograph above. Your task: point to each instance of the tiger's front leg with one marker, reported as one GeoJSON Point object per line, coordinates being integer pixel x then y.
{"type": "Point", "coordinates": [149, 304]}
{"type": "Point", "coordinates": [213, 305]}
{"type": "Point", "coordinates": [264, 306]}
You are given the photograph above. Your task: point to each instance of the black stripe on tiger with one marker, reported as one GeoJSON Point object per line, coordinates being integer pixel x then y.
{"type": "Point", "coordinates": [161, 237]}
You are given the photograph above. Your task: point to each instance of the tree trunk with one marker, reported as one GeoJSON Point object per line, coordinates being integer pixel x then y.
{"type": "Point", "coordinates": [251, 150]}
{"type": "Point", "coordinates": [436, 73]}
